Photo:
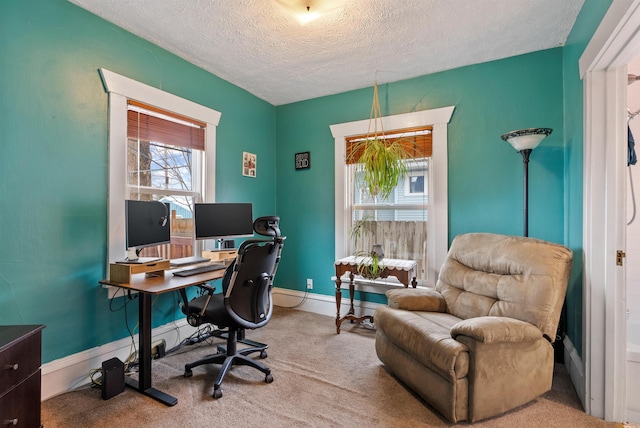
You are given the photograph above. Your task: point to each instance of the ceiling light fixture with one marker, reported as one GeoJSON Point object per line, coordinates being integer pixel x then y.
{"type": "Point", "coordinates": [305, 11]}
{"type": "Point", "coordinates": [308, 16]}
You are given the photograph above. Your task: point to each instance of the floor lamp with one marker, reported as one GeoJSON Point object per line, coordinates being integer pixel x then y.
{"type": "Point", "coordinates": [524, 141]}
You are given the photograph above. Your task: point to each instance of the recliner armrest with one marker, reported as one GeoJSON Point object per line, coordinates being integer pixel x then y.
{"type": "Point", "coordinates": [416, 299]}
{"type": "Point", "coordinates": [496, 330]}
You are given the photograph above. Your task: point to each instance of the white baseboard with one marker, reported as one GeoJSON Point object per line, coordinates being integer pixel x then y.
{"type": "Point", "coordinates": [573, 363]}
{"type": "Point", "coordinates": [319, 303]}
{"type": "Point", "coordinates": [72, 372]}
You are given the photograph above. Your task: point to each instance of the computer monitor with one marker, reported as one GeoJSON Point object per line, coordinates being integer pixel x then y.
{"type": "Point", "coordinates": [223, 220]}
{"type": "Point", "coordinates": [147, 224]}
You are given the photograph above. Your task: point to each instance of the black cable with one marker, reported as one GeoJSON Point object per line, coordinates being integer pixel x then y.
{"type": "Point", "coordinates": [203, 334]}
{"type": "Point", "coordinates": [128, 298]}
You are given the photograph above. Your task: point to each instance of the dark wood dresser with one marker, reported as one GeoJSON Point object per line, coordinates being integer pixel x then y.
{"type": "Point", "coordinates": [20, 360]}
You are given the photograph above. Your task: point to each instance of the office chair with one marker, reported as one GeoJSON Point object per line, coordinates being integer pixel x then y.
{"type": "Point", "coordinates": [245, 302]}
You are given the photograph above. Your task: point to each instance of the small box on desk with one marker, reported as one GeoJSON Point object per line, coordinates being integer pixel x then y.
{"type": "Point", "coordinates": [121, 272]}
{"type": "Point", "coordinates": [221, 256]}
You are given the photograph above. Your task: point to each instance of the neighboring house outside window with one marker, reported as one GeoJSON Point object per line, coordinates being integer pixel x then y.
{"type": "Point", "coordinates": [416, 182]}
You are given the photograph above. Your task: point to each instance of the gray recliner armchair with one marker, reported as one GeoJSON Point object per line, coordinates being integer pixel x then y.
{"type": "Point", "coordinates": [480, 343]}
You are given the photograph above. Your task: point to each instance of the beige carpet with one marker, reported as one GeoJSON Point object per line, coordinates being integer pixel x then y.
{"type": "Point", "coordinates": [320, 380]}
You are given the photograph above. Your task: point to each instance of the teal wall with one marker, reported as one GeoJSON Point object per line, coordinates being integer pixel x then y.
{"type": "Point", "coordinates": [54, 164]}
{"type": "Point", "coordinates": [485, 173]}
{"type": "Point", "coordinates": [586, 24]}
{"type": "Point", "coordinates": [542, 89]}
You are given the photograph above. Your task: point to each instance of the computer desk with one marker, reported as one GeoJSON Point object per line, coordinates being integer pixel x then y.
{"type": "Point", "coordinates": [147, 287]}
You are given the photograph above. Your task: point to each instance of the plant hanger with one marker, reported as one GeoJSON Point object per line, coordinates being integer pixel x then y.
{"type": "Point", "coordinates": [382, 160]}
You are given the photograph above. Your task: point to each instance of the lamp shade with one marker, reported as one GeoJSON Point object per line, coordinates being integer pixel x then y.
{"type": "Point", "coordinates": [526, 139]}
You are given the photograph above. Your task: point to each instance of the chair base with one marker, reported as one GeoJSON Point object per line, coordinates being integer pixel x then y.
{"type": "Point", "coordinates": [229, 357]}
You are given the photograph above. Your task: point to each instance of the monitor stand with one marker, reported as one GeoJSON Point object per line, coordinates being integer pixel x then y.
{"type": "Point", "coordinates": [139, 260]}
{"type": "Point", "coordinates": [132, 258]}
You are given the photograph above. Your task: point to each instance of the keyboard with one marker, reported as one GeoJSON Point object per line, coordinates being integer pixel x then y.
{"type": "Point", "coordinates": [199, 270]}
{"type": "Point", "coordinates": [184, 261]}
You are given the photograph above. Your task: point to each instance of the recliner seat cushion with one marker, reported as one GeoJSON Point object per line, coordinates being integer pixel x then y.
{"type": "Point", "coordinates": [426, 336]}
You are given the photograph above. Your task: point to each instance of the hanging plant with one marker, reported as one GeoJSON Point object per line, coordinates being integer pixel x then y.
{"type": "Point", "coordinates": [382, 160]}
{"type": "Point", "coordinates": [383, 166]}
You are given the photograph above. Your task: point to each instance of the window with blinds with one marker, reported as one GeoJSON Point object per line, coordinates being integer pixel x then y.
{"type": "Point", "coordinates": [415, 140]}
{"type": "Point", "coordinates": [398, 222]}
{"type": "Point", "coordinates": [165, 163]}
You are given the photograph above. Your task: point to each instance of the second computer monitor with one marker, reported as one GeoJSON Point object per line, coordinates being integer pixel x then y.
{"type": "Point", "coordinates": [223, 220]}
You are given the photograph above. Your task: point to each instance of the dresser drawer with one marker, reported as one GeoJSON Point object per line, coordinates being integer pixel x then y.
{"type": "Point", "coordinates": [19, 361]}
{"type": "Point", "coordinates": [20, 407]}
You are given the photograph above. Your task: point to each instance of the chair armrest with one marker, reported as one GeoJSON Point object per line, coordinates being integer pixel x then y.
{"type": "Point", "coordinates": [496, 330]}
{"type": "Point", "coordinates": [185, 299]}
{"type": "Point", "coordinates": [211, 289]}
{"type": "Point", "coordinates": [416, 299]}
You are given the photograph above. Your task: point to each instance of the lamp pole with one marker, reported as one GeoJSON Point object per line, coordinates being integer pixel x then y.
{"type": "Point", "coordinates": [525, 162]}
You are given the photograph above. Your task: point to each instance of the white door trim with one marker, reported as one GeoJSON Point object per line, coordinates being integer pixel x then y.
{"type": "Point", "coordinates": [603, 67]}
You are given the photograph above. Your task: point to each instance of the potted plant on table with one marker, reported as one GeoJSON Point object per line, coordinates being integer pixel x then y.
{"type": "Point", "coordinates": [370, 264]}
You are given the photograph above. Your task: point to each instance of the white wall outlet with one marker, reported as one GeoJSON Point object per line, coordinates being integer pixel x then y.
{"type": "Point", "coordinates": [309, 284]}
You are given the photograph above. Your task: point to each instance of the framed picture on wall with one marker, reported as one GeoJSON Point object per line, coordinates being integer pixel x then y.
{"type": "Point", "coordinates": [303, 160]}
{"type": "Point", "coordinates": [249, 161]}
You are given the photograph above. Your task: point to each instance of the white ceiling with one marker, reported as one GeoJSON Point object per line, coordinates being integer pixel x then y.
{"type": "Point", "coordinates": [261, 46]}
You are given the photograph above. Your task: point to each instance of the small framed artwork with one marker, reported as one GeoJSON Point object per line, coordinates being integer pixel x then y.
{"type": "Point", "coordinates": [303, 160]}
{"type": "Point", "coordinates": [249, 161]}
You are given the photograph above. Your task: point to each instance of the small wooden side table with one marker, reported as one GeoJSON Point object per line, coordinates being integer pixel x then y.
{"type": "Point", "coordinates": [403, 270]}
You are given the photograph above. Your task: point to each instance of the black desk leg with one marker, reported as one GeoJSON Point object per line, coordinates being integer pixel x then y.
{"type": "Point", "coordinates": [143, 385]}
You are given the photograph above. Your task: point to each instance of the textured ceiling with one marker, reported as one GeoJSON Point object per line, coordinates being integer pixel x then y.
{"type": "Point", "coordinates": [261, 45]}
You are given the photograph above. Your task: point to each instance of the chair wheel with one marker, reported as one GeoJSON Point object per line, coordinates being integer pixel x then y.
{"type": "Point", "coordinates": [217, 393]}
{"type": "Point", "coordinates": [268, 378]}
{"type": "Point", "coordinates": [187, 373]}
{"type": "Point", "coordinates": [263, 354]}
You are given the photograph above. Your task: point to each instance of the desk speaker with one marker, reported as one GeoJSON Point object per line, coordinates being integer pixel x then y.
{"type": "Point", "coordinates": [112, 378]}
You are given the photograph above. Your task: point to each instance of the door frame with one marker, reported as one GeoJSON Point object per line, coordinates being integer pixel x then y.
{"type": "Point", "coordinates": [603, 68]}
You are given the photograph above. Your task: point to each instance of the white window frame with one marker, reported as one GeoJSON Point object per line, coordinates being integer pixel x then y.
{"type": "Point", "coordinates": [437, 226]}
{"type": "Point", "coordinates": [121, 89]}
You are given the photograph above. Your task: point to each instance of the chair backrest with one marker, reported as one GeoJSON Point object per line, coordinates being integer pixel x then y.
{"type": "Point", "coordinates": [248, 281]}
{"type": "Point", "coordinates": [497, 275]}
